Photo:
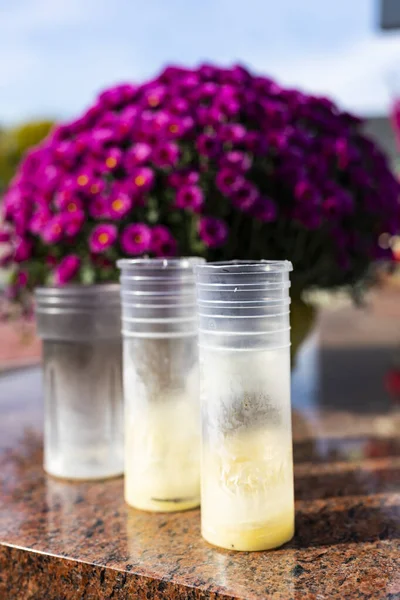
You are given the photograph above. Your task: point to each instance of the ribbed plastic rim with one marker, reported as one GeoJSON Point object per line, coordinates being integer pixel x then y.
{"type": "Point", "coordinates": [77, 289]}
{"type": "Point", "coordinates": [256, 349]}
{"type": "Point", "coordinates": [243, 316]}
{"type": "Point", "coordinates": [242, 267]}
{"type": "Point", "coordinates": [77, 297]}
{"type": "Point", "coordinates": [167, 320]}
{"type": "Point", "coordinates": [154, 335]}
{"type": "Point", "coordinates": [242, 333]}
{"type": "Point", "coordinates": [242, 286]}
{"type": "Point", "coordinates": [163, 264]}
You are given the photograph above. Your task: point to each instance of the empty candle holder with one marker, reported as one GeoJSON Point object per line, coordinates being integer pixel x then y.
{"type": "Point", "coordinates": [82, 369]}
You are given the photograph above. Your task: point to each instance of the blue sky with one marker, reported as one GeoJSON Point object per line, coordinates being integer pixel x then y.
{"type": "Point", "coordinates": [57, 54]}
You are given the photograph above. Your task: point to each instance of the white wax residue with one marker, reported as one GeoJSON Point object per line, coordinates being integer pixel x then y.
{"type": "Point", "coordinates": [247, 490]}
{"type": "Point", "coordinates": [247, 472]}
{"type": "Point", "coordinates": [163, 448]}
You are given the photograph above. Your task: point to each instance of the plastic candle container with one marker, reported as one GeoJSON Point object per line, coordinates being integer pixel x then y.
{"type": "Point", "coordinates": [161, 384]}
{"type": "Point", "coordinates": [82, 378]}
{"type": "Point", "coordinates": [247, 500]}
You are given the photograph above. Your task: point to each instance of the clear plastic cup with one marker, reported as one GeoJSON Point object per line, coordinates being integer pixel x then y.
{"type": "Point", "coordinates": [247, 469]}
{"type": "Point", "coordinates": [161, 383]}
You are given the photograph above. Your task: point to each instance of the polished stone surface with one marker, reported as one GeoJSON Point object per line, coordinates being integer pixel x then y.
{"type": "Point", "coordinates": [65, 540]}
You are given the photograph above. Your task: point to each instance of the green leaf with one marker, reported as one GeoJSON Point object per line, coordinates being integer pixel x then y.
{"type": "Point", "coordinates": [88, 275]}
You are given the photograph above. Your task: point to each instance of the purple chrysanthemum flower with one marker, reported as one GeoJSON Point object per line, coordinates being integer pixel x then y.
{"type": "Point", "coordinates": [208, 145]}
{"type": "Point", "coordinates": [178, 106]}
{"type": "Point", "coordinates": [275, 114]}
{"type": "Point", "coordinates": [142, 179]}
{"type": "Point", "coordinates": [11, 202]}
{"type": "Point", "coordinates": [96, 187]}
{"type": "Point", "coordinates": [23, 250]}
{"type": "Point", "coordinates": [82, 180]}
{"type": "Point", "coordinates": [172, 73]}
{"type": "Point", "coordinates": [245, 196]}
{"type": "Point", "coordinates": [5, 236]}
{"type": "Point", "coordinates": [237, 160]}
{"type": "Point", "coordinates": [69, 203]}
{"type": "Point", "coordinates": [166, 155]}
{"type": "Point", "coordinates": [137, 155]}
{"type": "Point", "coordinates": [181, 178]}
{"type": "Point", "coordinates": [22, 279]}
{"type": "Point", "coordinates": [67, 190]}
{"type": "Point", "coordinates": [39, 220]}
{"type": "Point", "coordinates": [227, 102]}
{"type": "Point", "coordinates": [278, 140]}
{"type": "Point", "coordinates": [65, 153]}
{"type": "Point", "coordinates": [162, 242]}
{"type": "Point", "coordinates": [136, 239]}
{"type": "Point", "coordinates": [189, 197]}
{"type": "Point", "coordinates": [21, 220]}
{"type": "Point", "coordinates": [119, 205]}
{"type": "Point", "coordinates": [92, 115]}
{"type": "Point", "coordinates": [99, 138]}
{"type": "Point", "coordinates": [179, 127]}
{"type": "Point", "coordinates": [117, 96]}
{"type": "Point", "coordinates": [306, 194]}
{"type": "Point", "coordinates": [189, 81]}
{"type": "Point", "coordinates": [48, 179]}
{"type": "Point", "coordinates": [113, 158]}
{"type": "Point", "coordinates": [124, 125]}
{"type": "Point", "coordinates": [228, 181]}
{"type": "Point", "coordinates": [213, 232]}
{"type": "Point", "coordinates": [205, 91]}
{"type": "Point", "coordinates": [345, 153]}
{"type": "Point", "coordinates": [98, 207]}
{"type": "Point", "coordinates": [209, 116]}
{"type": "Point", "coordinates": [109, 120]}
{"type": "Point", "coordinates": [54, 229]}
{"type": "Point", "coordinates": [33, 160]}
{"type": "Point", "coordinates": [207, 71]}
{"type": "Point", "coordinates": [67, 269]}
{"type": "Point", "coordinates": [153, 124]}
{"type": "Point", "coordinates": [73, 222]}
{"type": "Point", "coordinates": [233, 132]}
{"type": "Point", "coordinates": [336, 201]}
{"type": "Point", "coordinates": [102, 237]}
{"type": "Point", "coordinates": [154, 95]}
{"type": "Point", "coordinates": [160, 122]}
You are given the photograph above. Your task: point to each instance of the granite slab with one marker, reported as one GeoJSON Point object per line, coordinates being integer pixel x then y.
{"type": "Point", "coordinates": [61, 540]}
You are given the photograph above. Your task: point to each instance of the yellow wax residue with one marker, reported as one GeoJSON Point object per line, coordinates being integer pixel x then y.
{"type": "Point", "coordinates": [162, 470]}
{"type": "Point", "coordinates": [265, 537]}
{"type": "Point", "coordinates": [247, 490]}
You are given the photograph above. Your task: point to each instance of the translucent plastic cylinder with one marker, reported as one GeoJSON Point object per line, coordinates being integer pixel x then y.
{"type": "Point", "coordinates": [247, 500]}
{"type": "Point", "coordinates": [161, 384]}
{"type": "Point", "coordinates": [82, 369]}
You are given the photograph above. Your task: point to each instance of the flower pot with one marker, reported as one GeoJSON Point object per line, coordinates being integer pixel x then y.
{"type": "Point", "coordinates": [82, 367]}
{"type": "Point", "coordinates": [302, 321]}
{"type": "Point", "coordinates": [304, 358]}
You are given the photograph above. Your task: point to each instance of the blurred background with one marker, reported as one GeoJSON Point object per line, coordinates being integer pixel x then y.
{"type": "Point", "coordinates": [58, 55]}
